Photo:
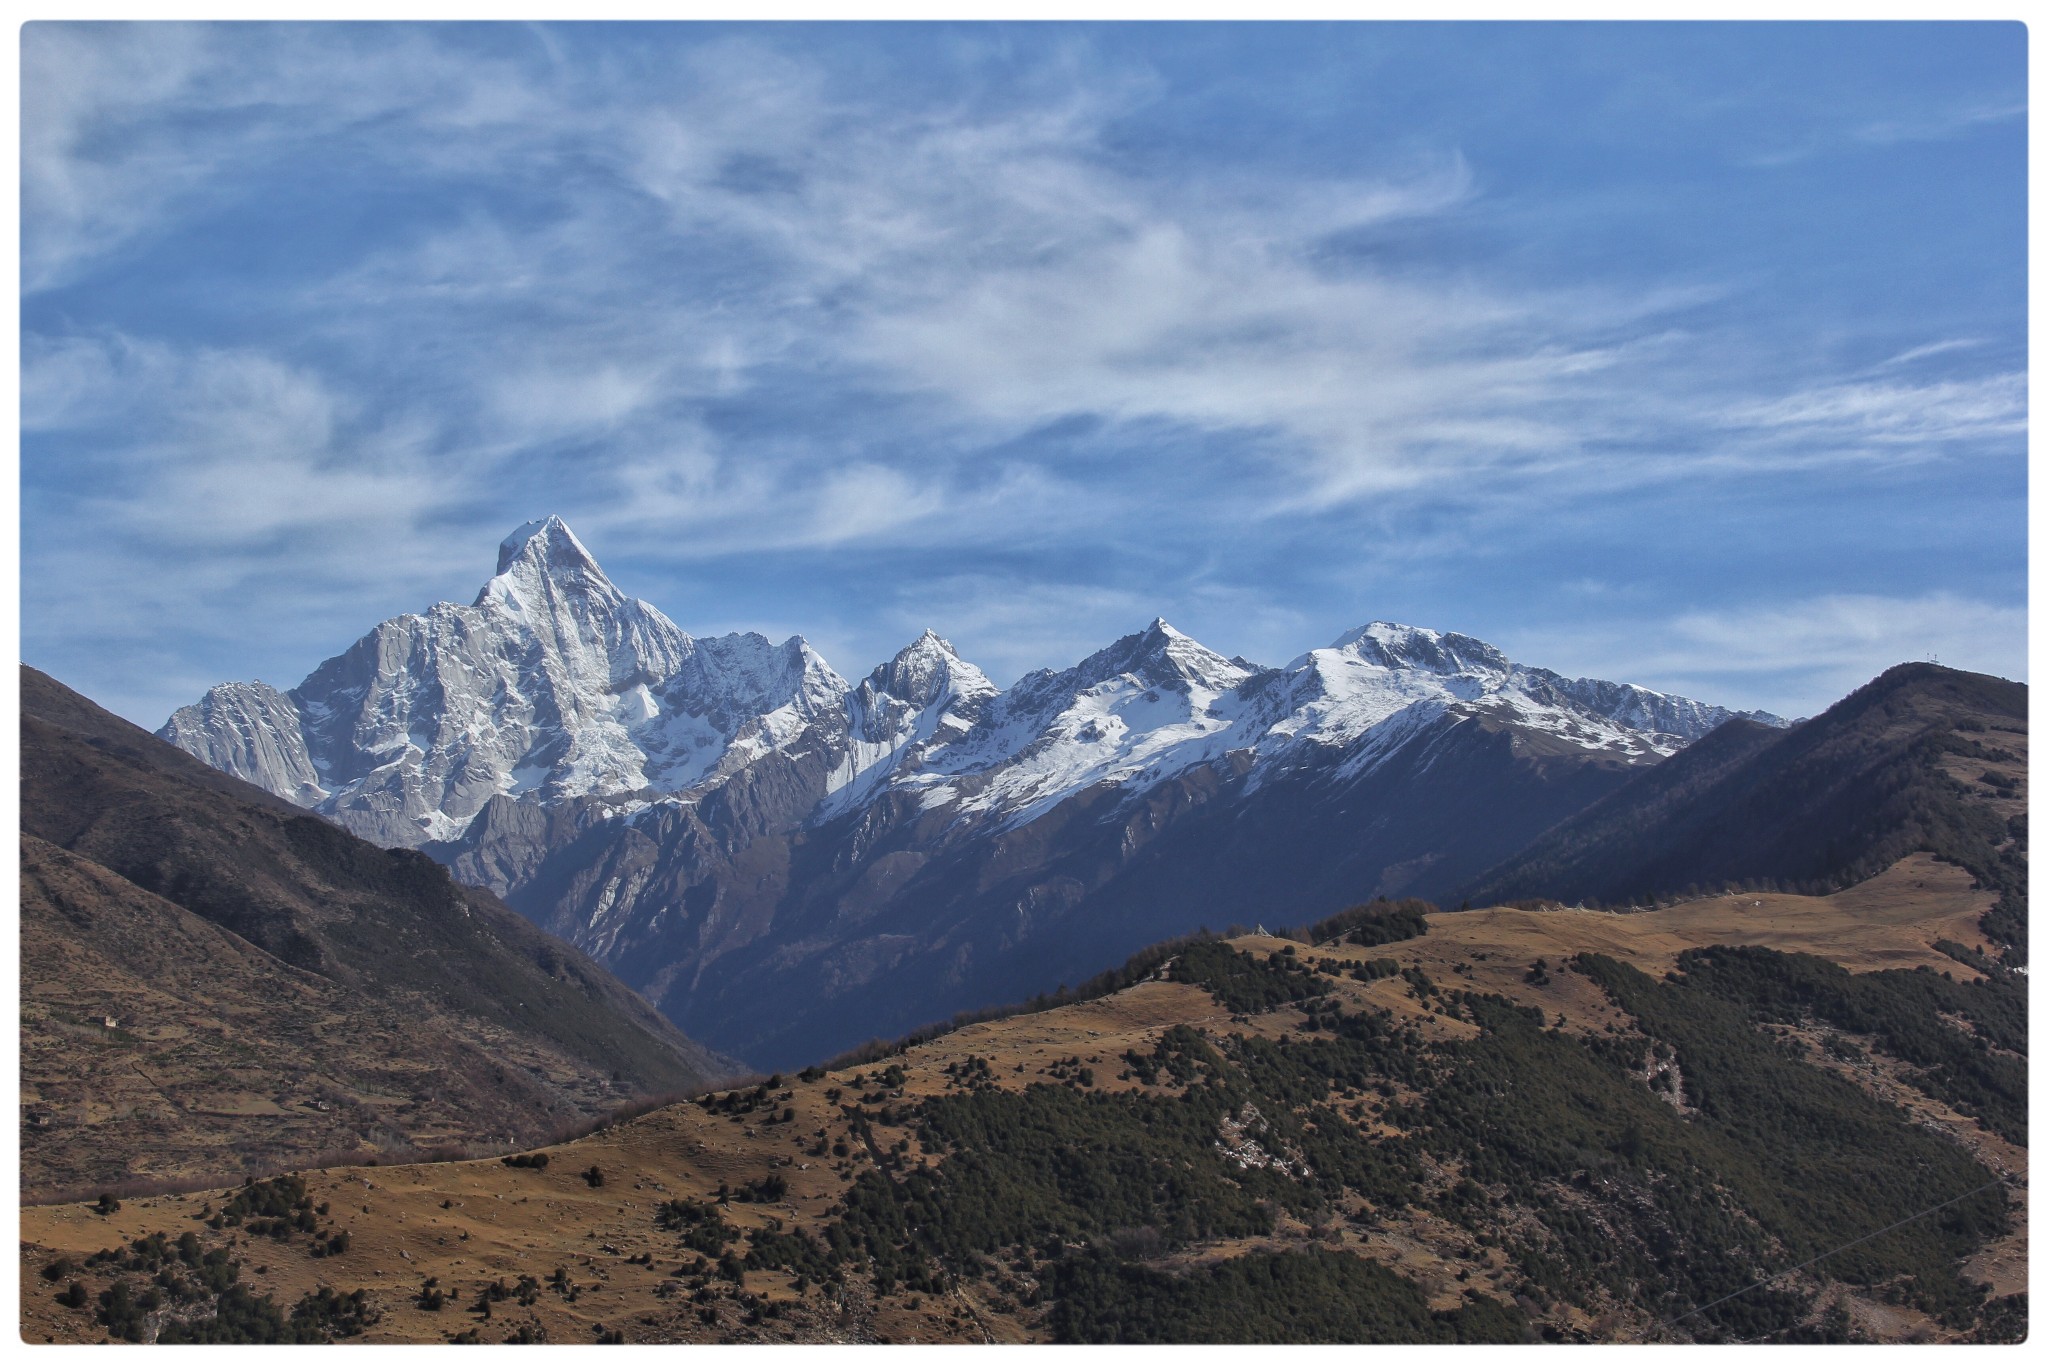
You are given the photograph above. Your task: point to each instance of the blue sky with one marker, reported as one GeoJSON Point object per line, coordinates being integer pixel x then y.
{"type": "Point", "coordinates": [1687, 355]}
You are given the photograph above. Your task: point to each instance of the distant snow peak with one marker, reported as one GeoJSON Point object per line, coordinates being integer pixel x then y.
{"type": "Point", "coordinates": [926, 669]}
{"type": "Point", "coordinates": [903, 711]}
{"type": "Point", "coordinates": [542, 563]}
{"type": "Point", "coordinates": [253, 730]}
{"type": "Point", "coordinates": [546, 540]}
{"type": "Point", "coordinates": [554, 685]}
{"type": "Point", "coordinates": [1396, 646]}
{"type": "Point", "coordinates": [1161, 656]}
{"type": "Point", "coordinates": [1193, 660]}
{"type": "Point", "coordinates": [818, 686]}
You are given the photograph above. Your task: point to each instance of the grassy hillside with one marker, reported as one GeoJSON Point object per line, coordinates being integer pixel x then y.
{"type": "Point", "coordinates": [280, 989]}
{"type": "Point", "coordinates": [1923, 758]}
{"type": "Point", "coordinates": [1413, 1129]}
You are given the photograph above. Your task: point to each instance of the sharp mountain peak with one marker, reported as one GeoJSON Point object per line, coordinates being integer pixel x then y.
{"type": "Point", "coordinates": [547, 543]}
{"type": "Point", "coordinates": [556, 685]}
{"type": "Point", "coordinates": [923, 669]}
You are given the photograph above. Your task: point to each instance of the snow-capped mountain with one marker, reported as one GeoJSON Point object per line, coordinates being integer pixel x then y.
{"type": "Point", "coordinates": [551, 683]}
{"type": "Point", "coordinates": [1157, 703]}
{"type": "Point", "coordinates": [1340, 693]}
{"type": "Point", "coordinates": [854, 857]}
{"type": "Point", "coordinates": [921, 699]}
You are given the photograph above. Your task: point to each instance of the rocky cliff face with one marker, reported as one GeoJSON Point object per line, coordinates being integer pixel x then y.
{"type": "Point", "coordinates": [787, 863]}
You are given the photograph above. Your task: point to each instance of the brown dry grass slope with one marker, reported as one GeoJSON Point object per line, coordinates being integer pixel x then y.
{"type": "Point", "coordinates": [279, 989]}
{"type": "Point", "coordinates": [596, 1260]}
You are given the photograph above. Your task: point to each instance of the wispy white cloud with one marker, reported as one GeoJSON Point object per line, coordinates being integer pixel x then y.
{"type": "Point", "coordinates": [540, 403]}
{"type": "Point", "coordinates": [1913, 354]}
{"type": "Point", "coordinates": [992, 264]}
{"type": "Point", "coordinates": [994, 259]}
{"type": "Point", "coordinates": [81, 197]}
{"type": "Point", "coordinates": [1929, 416]}
{"type": "Point", "coordinates": [1940, 123]}
{"type": "Point", "coordinates": [225, 452]}
{"type": "Point", "coordinates": [127, 126]}
{"type": "Point", "coordinates": [1854, 630]}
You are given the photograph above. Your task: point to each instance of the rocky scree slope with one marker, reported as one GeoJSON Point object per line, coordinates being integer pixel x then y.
{"type": "Point", "coordinates": [788, 863]}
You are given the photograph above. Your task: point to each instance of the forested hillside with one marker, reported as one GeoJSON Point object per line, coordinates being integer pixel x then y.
{"type": "Point", "coordinates": [1402, 1126]}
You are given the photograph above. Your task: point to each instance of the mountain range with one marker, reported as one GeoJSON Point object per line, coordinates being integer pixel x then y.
{"type": "Point", "coordinates": [1711, 1102]}
{"type": "Point", "coordinates": [788, 863]}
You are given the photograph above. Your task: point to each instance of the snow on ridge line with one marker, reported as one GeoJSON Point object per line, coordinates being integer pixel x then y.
{"type": "Point", "coordinates": [554, 684]}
